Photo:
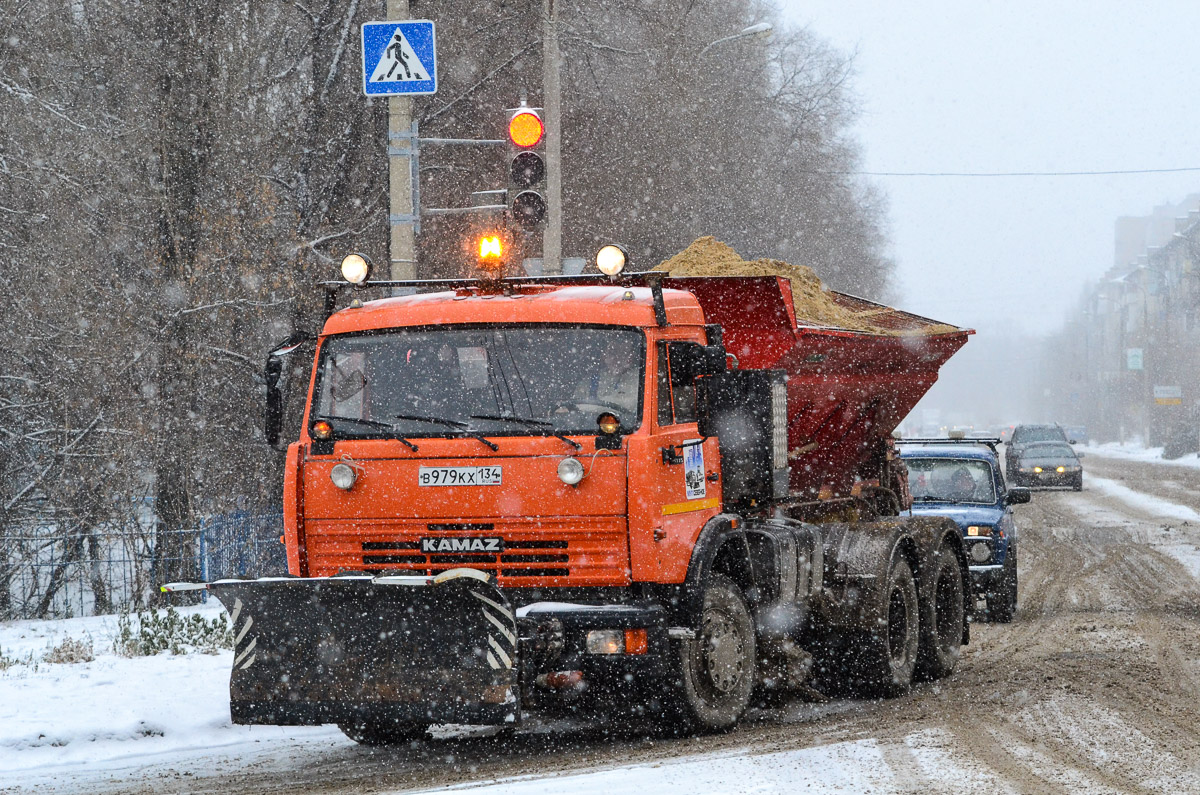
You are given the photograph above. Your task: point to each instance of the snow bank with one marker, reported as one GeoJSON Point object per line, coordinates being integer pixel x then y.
{"type": "Point", "coordinates": [1136, 452]}
{"type": "Point", "coordinates": [1147, 503]}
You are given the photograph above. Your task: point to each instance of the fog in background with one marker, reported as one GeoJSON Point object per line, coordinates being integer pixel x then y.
{"type": "Point", "coordinates": [1015, 87]}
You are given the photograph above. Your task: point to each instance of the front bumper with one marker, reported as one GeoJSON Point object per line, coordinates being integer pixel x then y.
{"type": "Point", "coordinates": [1048, 479]}
{"type": "Point", "coordinates": [985, 579]}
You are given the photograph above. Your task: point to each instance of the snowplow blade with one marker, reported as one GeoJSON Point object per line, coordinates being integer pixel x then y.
{"type": "Point", "coordinates": [406, 649]}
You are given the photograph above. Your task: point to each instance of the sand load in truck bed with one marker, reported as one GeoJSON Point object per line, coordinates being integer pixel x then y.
{"type": "Point", "coordinates": [855, 368]}
{"type": "Point", "coordinates": [814, 305]}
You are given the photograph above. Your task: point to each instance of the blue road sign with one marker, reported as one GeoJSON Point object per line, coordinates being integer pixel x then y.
{"type": "Point", "coordinates": [399, 58]}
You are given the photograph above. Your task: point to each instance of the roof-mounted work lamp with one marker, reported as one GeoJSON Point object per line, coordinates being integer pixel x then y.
{"type": "Point", "coordinates": [611, 260]}
{"type": "Point", "coordinates": [356, 269]}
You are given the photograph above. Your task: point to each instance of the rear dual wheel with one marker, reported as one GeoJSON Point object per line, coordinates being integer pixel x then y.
{"type": "Point", "coordinates": [882, 662]}
{"type": "Point", "coordinates": [942, 634]}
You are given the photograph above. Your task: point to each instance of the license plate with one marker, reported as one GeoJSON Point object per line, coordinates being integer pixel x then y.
{"type": "Point", "coordinates": [459, 476]}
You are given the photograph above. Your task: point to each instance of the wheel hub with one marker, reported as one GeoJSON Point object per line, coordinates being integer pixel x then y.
{"type": "Point", "coordinates": [723, 652]}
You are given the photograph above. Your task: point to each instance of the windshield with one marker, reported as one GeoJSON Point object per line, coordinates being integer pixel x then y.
{"type": "Point", "coordinates": [1044, 433]}
{"type": "Point", "coordinates": [950, 480]}
{"type": "Point", "coordinates": [1049, 451]}
{"type": "Point", "coordinates": [501, 380]}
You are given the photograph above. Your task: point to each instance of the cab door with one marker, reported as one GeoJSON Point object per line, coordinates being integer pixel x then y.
{"type": "Point", "coordinates": [674, 480]}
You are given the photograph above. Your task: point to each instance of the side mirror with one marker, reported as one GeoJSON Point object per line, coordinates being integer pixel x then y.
{"type": "Point", "coordinates": [272, 372]}
{"type": "Point", "coordinates": [273, 416]}
{"type": "Point", "coordinates": [1018, 495]}
{"type": "Point", "coordinates": [1072, 441]}
{"type": "Point", "coordinates": [689, 360]}
{"type": "Point", "coordinates": [1079, 456]}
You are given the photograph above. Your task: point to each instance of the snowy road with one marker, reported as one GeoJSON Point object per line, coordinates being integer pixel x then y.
{"type": "Point", "coordinates": [1094, 688]}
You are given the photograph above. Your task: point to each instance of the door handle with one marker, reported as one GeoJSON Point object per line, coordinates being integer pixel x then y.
{"type": "Point", "coordinates": [669, 456]}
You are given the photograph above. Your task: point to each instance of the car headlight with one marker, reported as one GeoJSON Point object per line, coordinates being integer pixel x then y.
{"type": "Point", "coordinates": [570, 471]}
{"type": "Point", "coordinates": [981, 552]}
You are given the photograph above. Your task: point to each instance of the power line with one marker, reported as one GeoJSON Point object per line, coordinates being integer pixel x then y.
{"type": "Point", "coordinates": [1009, 173]}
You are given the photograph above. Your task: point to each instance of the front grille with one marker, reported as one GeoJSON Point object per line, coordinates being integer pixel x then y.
{"type": "Point", "coordinates": [487, 561]}
{"type": "Point", "coordinates": [535, 552]}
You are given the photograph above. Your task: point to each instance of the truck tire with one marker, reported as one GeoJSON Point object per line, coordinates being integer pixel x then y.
{"type": "Point", "coordinates": [882, 662]}
{"type": "Point", "coordinates": [942, 627]}
{"type": "Point", "coordinates": [717, 666]}
{"type": "Point", "coordinates": [374, 732]}
{"type": "Point", "coordinates": [1002, 603]}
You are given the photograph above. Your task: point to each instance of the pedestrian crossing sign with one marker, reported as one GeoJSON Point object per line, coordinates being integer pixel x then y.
{"type": "Point", "coordinates": [399, 58]}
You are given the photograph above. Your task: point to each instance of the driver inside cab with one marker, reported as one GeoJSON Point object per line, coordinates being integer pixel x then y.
{"type": "Point", "coordinates": [614, 383]}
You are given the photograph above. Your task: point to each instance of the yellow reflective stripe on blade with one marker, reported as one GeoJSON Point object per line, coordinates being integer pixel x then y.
{"type": "Point", "coordinates": [690, 505]}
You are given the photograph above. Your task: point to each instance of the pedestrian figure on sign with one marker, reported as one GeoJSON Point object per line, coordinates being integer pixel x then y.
{"type": "Point", "coordinates": [396, 51]}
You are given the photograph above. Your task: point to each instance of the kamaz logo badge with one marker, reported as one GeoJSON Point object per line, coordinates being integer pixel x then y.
{"type": "Point", "coordinates": [436, 545]}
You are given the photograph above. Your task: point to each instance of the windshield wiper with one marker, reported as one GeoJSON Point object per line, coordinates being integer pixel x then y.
{"type": "Point", "coordinates": [457, 425]}
{"type": "Point", "coordinates": [932, 498]}
{"type": "Point", "coordinates": [383, 426]}
{"type": "Point", "coordinates": [530, 423]}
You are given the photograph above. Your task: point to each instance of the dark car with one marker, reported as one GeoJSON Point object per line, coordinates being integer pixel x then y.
{"type": "Point", "coordinates": [1049, 464]}
{"type": "Point", "coordinates": [1028, 434]}
{"type": "Point", "coordinates": [962, 481]}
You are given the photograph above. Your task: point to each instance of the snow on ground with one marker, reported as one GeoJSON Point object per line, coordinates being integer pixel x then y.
{"type": "Point", "coordinates": [59, 720]}
{"type": "Point", "coordinates": [1136, 452]}
{"type": "Point", "coordinates": [853, 767]}
{"type": "Point", "coordinates": [1146, 503]}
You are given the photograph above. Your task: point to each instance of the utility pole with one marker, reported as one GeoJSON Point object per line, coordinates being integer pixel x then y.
{"type": "Point", "coordinates": [402, 144]}
{"type": "Point", "coordinates": [552, 100]}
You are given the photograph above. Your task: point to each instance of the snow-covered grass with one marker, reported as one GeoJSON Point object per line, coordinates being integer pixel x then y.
{"type": "Point", "coordinates": [61, 719]}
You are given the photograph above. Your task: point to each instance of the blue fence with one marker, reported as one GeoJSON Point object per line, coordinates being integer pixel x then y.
{"type": "Point", "coordinates": [46, 573]}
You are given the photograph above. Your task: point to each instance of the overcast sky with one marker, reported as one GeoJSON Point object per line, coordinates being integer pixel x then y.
{"type": "Point", "coordinates": [1016, 86]}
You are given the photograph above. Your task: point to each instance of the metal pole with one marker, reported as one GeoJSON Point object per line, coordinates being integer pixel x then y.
{"type": "Point", "coordinates": [552, 100]}
{"type": "Point", "coordinates": [402, 145]}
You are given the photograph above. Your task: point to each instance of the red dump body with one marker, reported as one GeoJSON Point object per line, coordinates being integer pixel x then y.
{"type": "Point", "coordinates": [846, 389]}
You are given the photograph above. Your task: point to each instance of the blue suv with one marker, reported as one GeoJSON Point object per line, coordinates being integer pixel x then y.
{"type": "Point", "coordinates": [961, 479]}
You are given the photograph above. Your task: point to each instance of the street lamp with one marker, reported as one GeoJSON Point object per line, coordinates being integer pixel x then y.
{"type": "Point", "coordinates": [757, 30]}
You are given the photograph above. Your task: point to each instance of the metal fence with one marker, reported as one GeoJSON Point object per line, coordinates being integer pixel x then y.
{"type": "Point", "coordinates": [46, 573]}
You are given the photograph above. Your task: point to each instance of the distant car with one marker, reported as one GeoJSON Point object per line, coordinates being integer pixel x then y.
{"type": "Point", "coordinates": [1027, 434]}
{"type": "Point", "coordinates": [962, 481]}
{"type": "Point", "coordinates": [1076, 434]}
{"type": "Point", "coordinates": [1049, 464]}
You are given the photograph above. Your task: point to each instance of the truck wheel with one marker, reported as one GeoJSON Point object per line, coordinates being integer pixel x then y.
{"type": "Point", "coordinates": [1002, 604]}
{"type": "Point", "coordinates": [370, 731]}
{"type": "Point", "coordinates": [717, 665]}
{"type": "Point", "coordinates": [942, 629]}
{"type": "Point", "coordinates": [883, 662]}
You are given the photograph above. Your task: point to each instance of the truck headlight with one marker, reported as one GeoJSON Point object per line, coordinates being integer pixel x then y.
{"type": "Point", "coordinates": [570, 471]}
{"type": "Point", "coordinates": [606, 641]}
{"type": "Point", "coordinates": [343, 476]}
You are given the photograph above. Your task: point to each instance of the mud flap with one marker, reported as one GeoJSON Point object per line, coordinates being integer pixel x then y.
{"type": "Point", "coordinates": [401, 649]}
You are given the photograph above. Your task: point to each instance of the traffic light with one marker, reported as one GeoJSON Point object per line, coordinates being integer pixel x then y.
{"type": "Point", "coordinates": [526, 168]}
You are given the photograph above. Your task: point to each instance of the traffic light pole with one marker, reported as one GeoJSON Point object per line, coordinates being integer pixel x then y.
{"type": "Point", "coordinates": [402, 176]}
{"type": "Point", "coordinates": [552, 99]}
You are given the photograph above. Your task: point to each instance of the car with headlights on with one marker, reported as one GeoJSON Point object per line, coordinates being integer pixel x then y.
{"type": "Point", "coordinates": [1049, 464]}
{"type": "Point", "coordinates": [1026, 434]}
{"type": "Point", "coordinates": [961, 479]}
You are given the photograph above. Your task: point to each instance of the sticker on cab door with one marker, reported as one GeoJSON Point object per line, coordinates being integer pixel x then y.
{"type": "Point", "coordinates": [693, 470]}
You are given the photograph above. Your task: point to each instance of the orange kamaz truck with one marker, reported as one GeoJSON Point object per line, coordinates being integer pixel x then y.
{"type": "Point", "coordinates": [667, 494]}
